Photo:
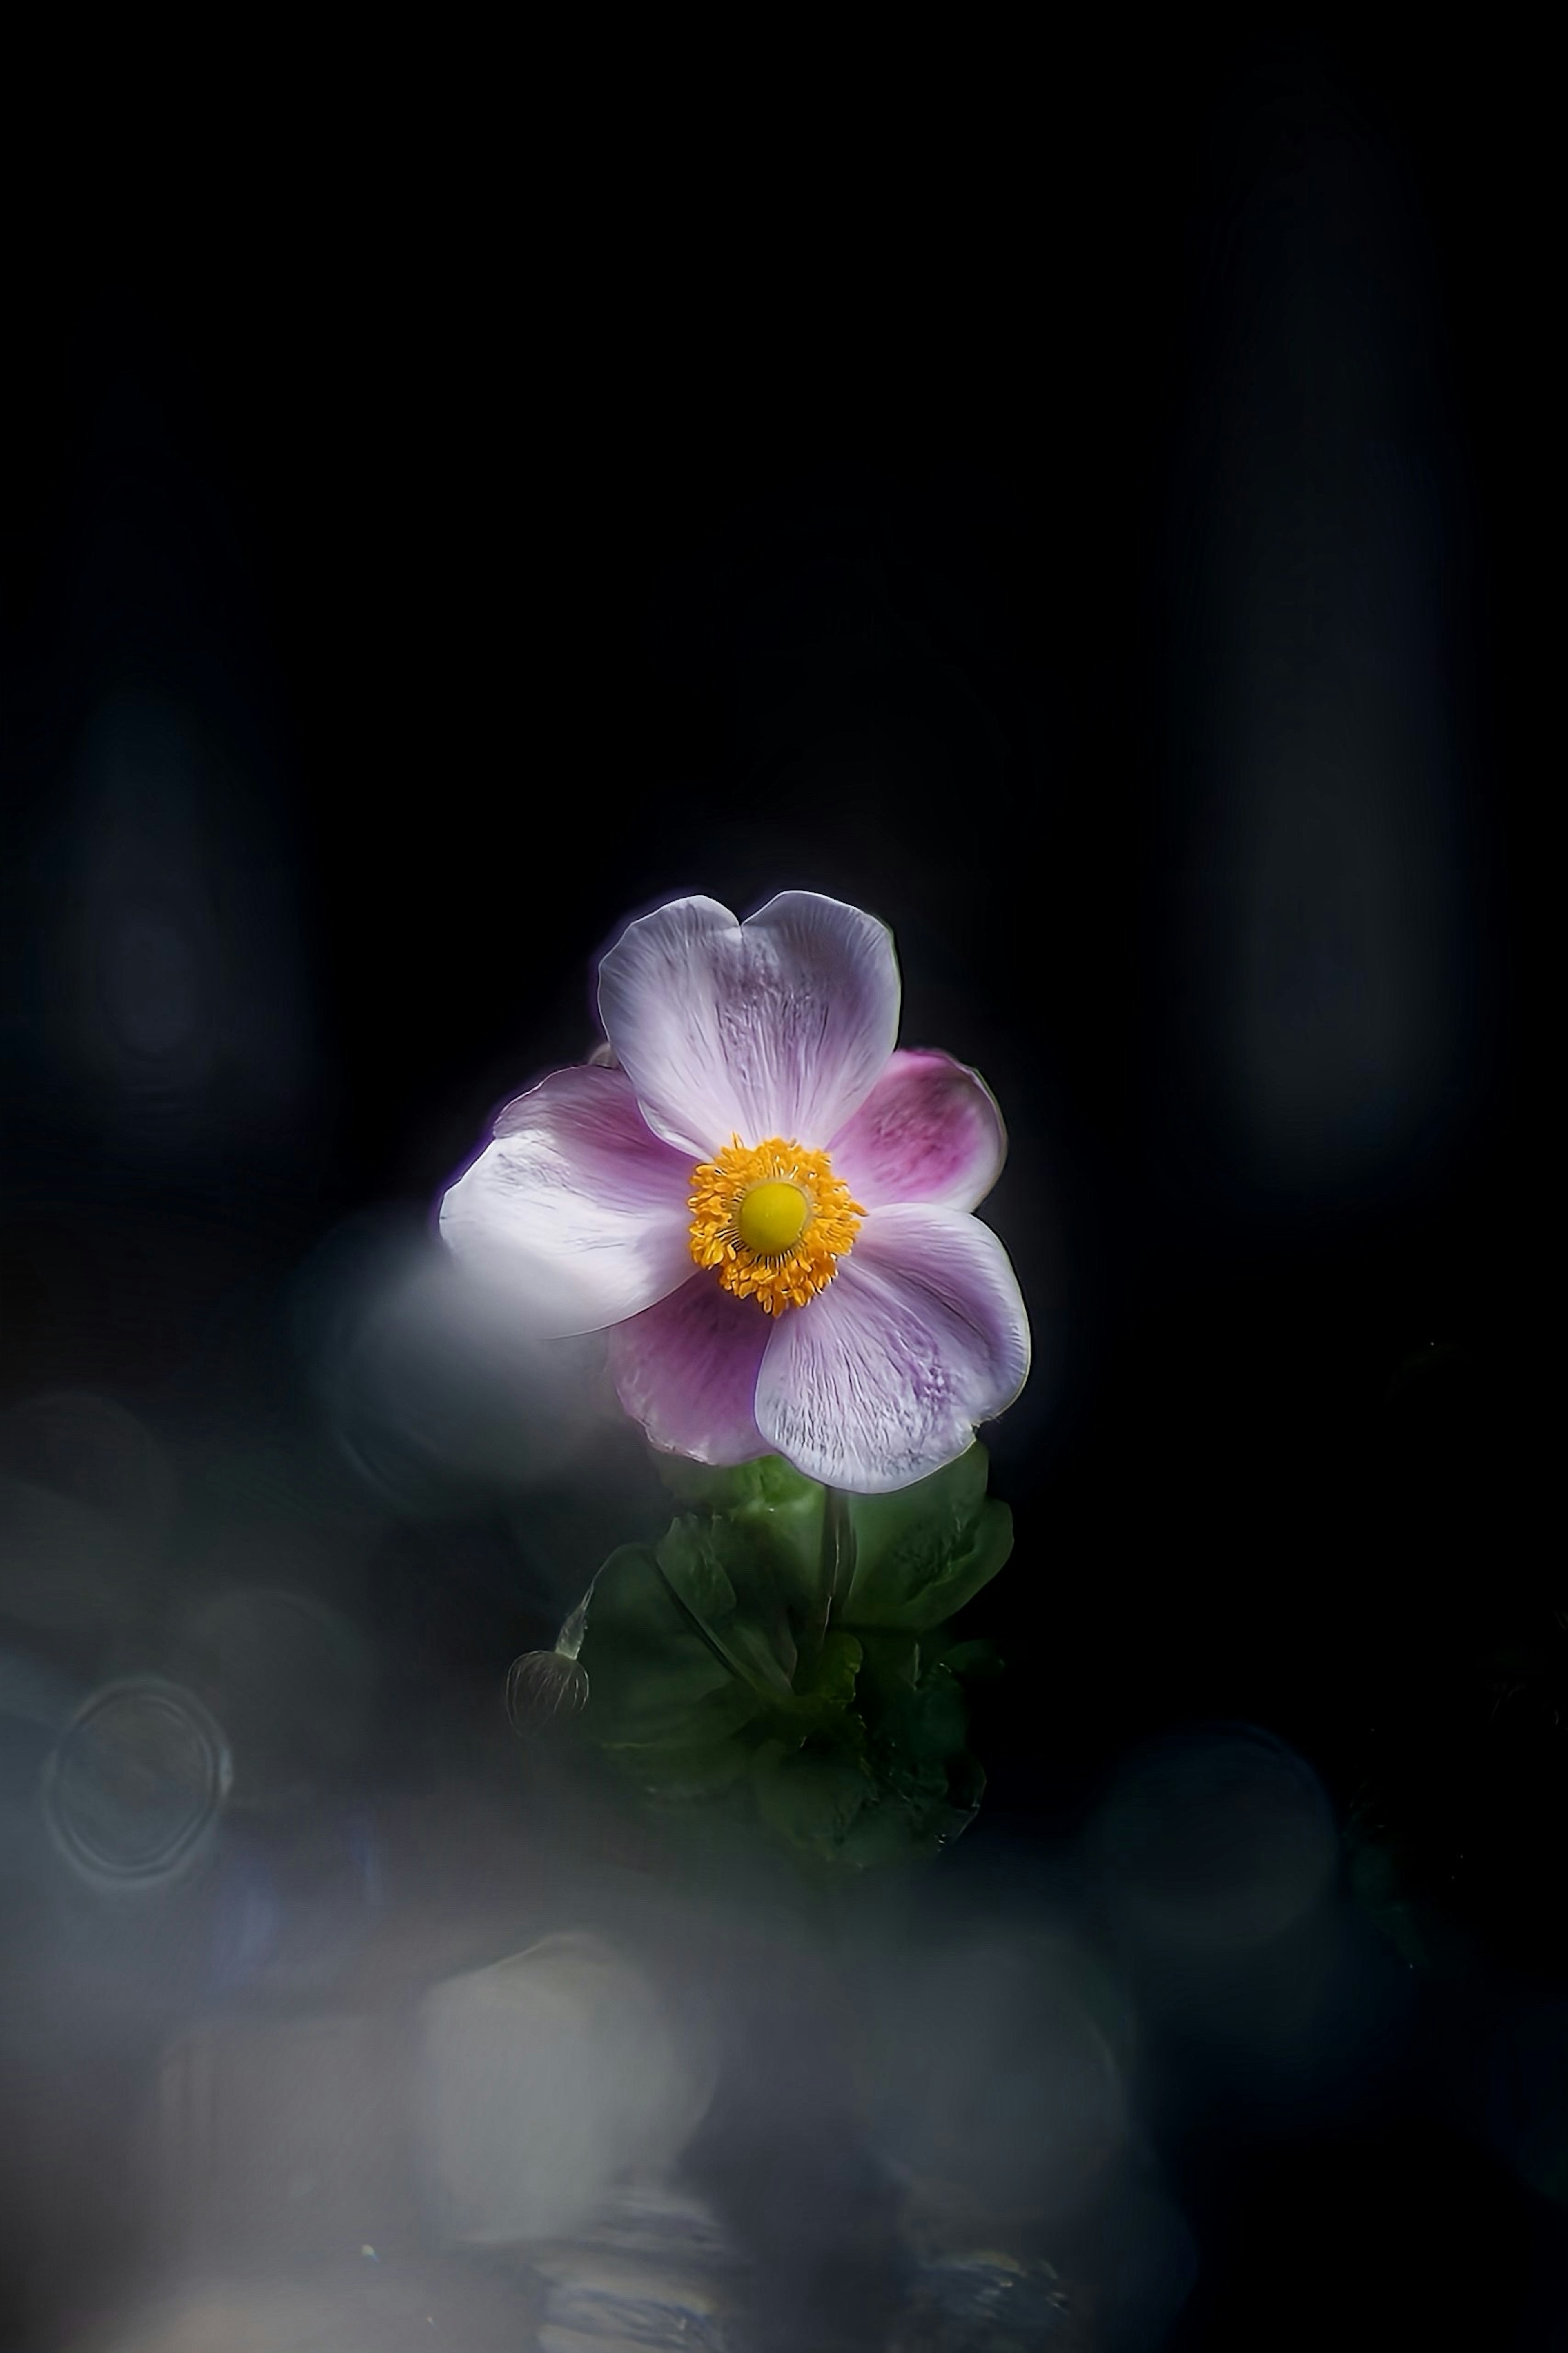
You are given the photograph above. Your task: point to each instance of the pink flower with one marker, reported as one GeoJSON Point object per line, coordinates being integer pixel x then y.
{"type": "Point", "coordinates": [764, 1204]}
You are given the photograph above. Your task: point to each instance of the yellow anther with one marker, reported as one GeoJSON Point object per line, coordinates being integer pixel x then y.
{"type": "Point", "coordinates": [772, 1220]}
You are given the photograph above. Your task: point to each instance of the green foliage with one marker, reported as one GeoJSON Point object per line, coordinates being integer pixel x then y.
{"type": "Point", "coordinates": [784, 1657]}
{"type": "Point", "coordinates": [922, 1554]}
{"type": "Point", "coordinates": [767, 1502]}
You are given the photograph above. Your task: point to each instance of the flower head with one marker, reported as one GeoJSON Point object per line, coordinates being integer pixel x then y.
{"type": "Point", "coordinates": [765, 1204]}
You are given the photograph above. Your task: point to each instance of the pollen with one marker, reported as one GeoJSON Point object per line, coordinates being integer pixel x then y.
{"type": "Point", "coordinates": [773, 1222]}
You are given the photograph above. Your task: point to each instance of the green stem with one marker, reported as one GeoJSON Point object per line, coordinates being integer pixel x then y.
{"type": "Point", "coordinates": [838, 1572]}
{"type": "Point", "coordinates": [570, 1639]}
{"type": "Point", "coordinates": [837, 1553]}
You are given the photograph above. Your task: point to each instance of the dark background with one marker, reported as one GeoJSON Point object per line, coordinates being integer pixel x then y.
{"type": "Point", "coordinates": [1087, 514]}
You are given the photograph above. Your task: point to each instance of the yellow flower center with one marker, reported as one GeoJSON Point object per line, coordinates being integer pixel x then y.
{"type": "Point", "coordinates": [773, 1219]}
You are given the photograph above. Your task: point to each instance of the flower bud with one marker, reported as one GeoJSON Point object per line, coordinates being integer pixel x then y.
{"type": "Point", "coordinates": [541, 1685]}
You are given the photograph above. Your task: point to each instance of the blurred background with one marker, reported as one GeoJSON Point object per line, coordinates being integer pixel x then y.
{"type": "Point", "coordinates": [1087, 512]}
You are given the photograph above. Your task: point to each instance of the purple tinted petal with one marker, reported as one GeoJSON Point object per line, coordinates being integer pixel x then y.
{"type": "Point", "coordinates": [929, 1131]}
{"type": "Point", "coordinates": [779, 1026]}
{"type": "Point", "coordinates": [686, 1370]}
{"type": "Point", "coordinates": [576, 1207]}
{"type": "Point", "coordinates": [920, 1336]}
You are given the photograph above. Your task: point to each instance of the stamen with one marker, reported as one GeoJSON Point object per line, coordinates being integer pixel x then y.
{"type": "Point", "coordinates": [772, 1221]}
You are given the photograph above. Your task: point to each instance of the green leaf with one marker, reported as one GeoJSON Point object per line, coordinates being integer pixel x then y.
{"type": "Point", "coordinates": [630, 1603]}
{"type": "Point", "coordinates": [881, 1832]}
{"type": "Point", "coordinates": [769, 1480]}
{"type": "Point", "coordinates": [967, 1571]}
{"type": "Point", "coordinates": [773, 1505]}
{"type": "Point", "coordinates": [833, 1686]}
{"type": "Point", "coordinates": [838, 1811]}
{"type": "Point", "coordinates": [647, 1668]}
{"type": "Point", "coordinates": [950, 1499]}
{"type": "Point", "coordinates": [689, 1557]}
{"type": "Point", "coordinates": [810, 1801]}
{"type": "Point", "coordinates": [704, 1722]}
{"type": "Point", "coordinates": [896, 1829]}
{"type": "Point", "coordinates": [890, 1663]}
{"type": "Point", "coordinates": [722, 1572]}
{"type": "Point", "coordinates": [921, 1554]}
{"type": "Point", "coordinates": [700, 1754]}
{"type": "Point", "coordinates": [925, 1729]}
{"type": "Point", "coordinates": [694, 1647]}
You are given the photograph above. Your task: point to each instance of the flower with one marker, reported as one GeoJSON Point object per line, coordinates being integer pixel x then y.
{"type": "Point", "coordinates": [765, 1204]}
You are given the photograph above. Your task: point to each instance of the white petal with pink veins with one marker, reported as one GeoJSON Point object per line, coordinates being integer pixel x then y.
{"type": "Point", "coordinates": [686, 1370]}
{"type": "Point", "coordinates": [779, 1026]}
{"type": "Point", "coordinates": [920, 1336]}
{"type": "Point", "coordinates": [576, 1206]}
{"type": "Point", "coordinates": [929, 1131]}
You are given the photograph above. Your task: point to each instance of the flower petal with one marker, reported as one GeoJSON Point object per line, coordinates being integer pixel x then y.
{"type": "Point", "coordinates": [929, 1131]}
{"type": "Point", "coordinates": [576, 1205]}
{"type": "Point", "coordinates": [779, 1026]}
{"type": "Point", "coordinates": [882, 1378]}
{"type": "Point", "coordinates": [686, 1370]}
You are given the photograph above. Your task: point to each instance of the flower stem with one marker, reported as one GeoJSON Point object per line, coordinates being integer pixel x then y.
{"type": "Point", "coordinates": [837, 1552]}
{"type": "Point", "coordinates": [570, 1639]}
{"type": "Point", "coordinates": [838, 1572]}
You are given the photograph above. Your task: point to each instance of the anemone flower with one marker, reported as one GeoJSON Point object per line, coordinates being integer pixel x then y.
{"type": "Point", "coordinates": [765, 1204]}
